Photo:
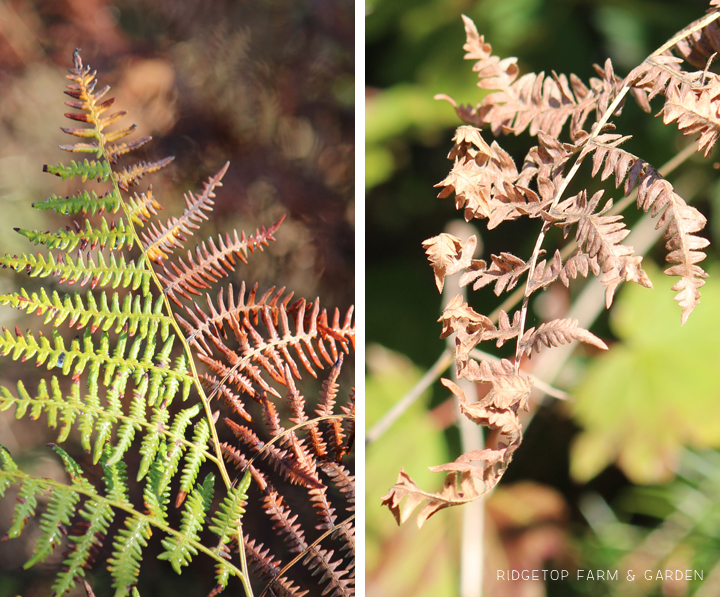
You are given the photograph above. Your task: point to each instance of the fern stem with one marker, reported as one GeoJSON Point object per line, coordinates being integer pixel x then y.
{"type": "Point", "coordinates": [689, 30]}
{"type": "Point", "coordinates": [398, 409]}
{"type": "Point", "coordinates": [186, 347]}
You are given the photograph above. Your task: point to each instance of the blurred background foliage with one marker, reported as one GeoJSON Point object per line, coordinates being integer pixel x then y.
{"type": "Point", "coordinates": [268, 86]}
{"type": "Point", "coordinates": [619, 477]}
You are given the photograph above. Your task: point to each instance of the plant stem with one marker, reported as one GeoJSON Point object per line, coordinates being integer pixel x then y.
{"type": "Point", "coordinates": [388, 420]}
{"type": "Point", "coordinates": [596, 130]}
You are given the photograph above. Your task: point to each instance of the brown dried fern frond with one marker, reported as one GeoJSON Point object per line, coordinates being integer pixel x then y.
{"type": "Point", "coordinates": [256, 349]}
{"type": "Point", "coordinates": [534, 101]}
{"type": "Point", "coordinates": [488, 186]}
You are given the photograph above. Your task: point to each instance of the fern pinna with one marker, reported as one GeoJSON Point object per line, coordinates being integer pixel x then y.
{"type": "Point", "coordinates": [140, 379]}
{"type": "Point", "coordinates": [488, 185]}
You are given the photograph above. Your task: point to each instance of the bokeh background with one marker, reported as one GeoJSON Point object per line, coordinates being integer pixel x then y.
{"type": "Point", "coordinates": [268, 86]}
{"type": "Point", "coordinates": [624, 475]}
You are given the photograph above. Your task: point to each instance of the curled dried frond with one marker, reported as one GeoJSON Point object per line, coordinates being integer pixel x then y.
{"type": "Point", "coordinates": [448, 255]}
{"type": "Point", "coordinates": [505, 270]}
{"type": "Point", "coordinates": [479, 471]}
{"type": "Point", "coordinates": [488, 185]}
{"type": "Point", "coordinates": [534, 101]}
{"type": "Point", "coordinates": [658, 197]}
{"type": "Point", "coordinates": [599, 236]}
{"type": "Point", "coordinates": [695, 108]}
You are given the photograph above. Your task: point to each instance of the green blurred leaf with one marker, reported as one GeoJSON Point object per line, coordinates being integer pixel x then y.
{"type": "Point", "coordinates": [656, 390]}
{"type": "Point", "coordinates": [394, 556]}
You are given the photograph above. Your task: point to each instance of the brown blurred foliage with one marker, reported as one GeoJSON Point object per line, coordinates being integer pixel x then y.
{"type": "Point", "coordinates": [268, 86]}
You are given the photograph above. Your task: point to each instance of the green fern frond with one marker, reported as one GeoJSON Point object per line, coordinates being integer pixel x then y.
{"type": "Point", "coordinates": [115, 480]}
{"type": "Point", "coordinates": [116, 273]}
{"type": "Point", "coordinates": [53, 523]}
{"type": "Point", "coordinates": [99, 171]}
{"type": "Point", "coordinates": [30, 489]}
{"type": "Point", "coordinates": [91, 417]}
{"type": "Point", "coordinates": [155, 498]}
{"type": "Point", "coordinates": [134, 315]}
{"type": "Point", "coordinates": [73, 469]}
{"type": "Point", "coordinates": [97, 515]}
{"type": "Point", "coordinates": [176, 449]}
{"type": "Point", "coordinates": [83, 202]}
{"type": "Point", "coordinates": [151, 441]}
{"type": "Point", "coordinates": [178, 549]}
{"type": "Point", "coordinates": [124, 564]}
{"type": "Point", "coordinates": [193, 459]}
{"type": "Point", "coordinates": [224, 523]}
{"type": "Point", "coordinates": [114, 237]}
{"type": "Point", "coordinates": [75, 358]}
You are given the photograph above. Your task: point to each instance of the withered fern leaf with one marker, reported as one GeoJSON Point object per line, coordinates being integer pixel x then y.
{"type": "Point", "coordinates": [569, 122]}
{"type": "Point", "coordinates": [135, 388]}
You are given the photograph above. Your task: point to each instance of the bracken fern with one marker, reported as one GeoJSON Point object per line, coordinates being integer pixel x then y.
{"type": "Point", "coordinates": [488, 185]}
{"type": "Point", "coordinates": [118, 384]}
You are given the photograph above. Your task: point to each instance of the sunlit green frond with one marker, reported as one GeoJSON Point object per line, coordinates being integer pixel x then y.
{"type": "Point", "coordinates": [176, 449]}
{"type": "Point", "coordinates": [75, 358]}
{"type": "Point", "coordinates": [124, 565]}
{"type": "Point", "coordinates": [114, 273]}
{"type": "Point", "coordinates": [30, 489]}
{"type": "Point", "coordinates": [223, 572]}
{"type": "Point", "coordinates": [8, 466]}
{"type": "Point", "coordinates": [113, 236]}
{"type": "Point", "coordinates": [194, 458]}
{"type": "Point", "coordinates": [151, 441]}
{"type": "Point", "coordinates": [83, 202]}
{"type": "Point", "coordinates": [97, 515]}
{"type": "Point", "coordinates": [225, 522]}
{"type": "Point", "coordinates": [136, 312]}
{"type": "Point", "coordinates": [53, 523]}
{"type": "Point", "coordinates": [115, 480]}
{"type": "Point", "coordinates": [73, 469]}
{"type": "Point", "coordinates": [128, 427]}
{"type": "Point", "coordinates": [99, 171]}
{"type": "Point", "coordinates": [52, 403]}
{"type": "Point", "coordinates": [178, 550]}
{"type": "Point", "coordinates": [156, 498]}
